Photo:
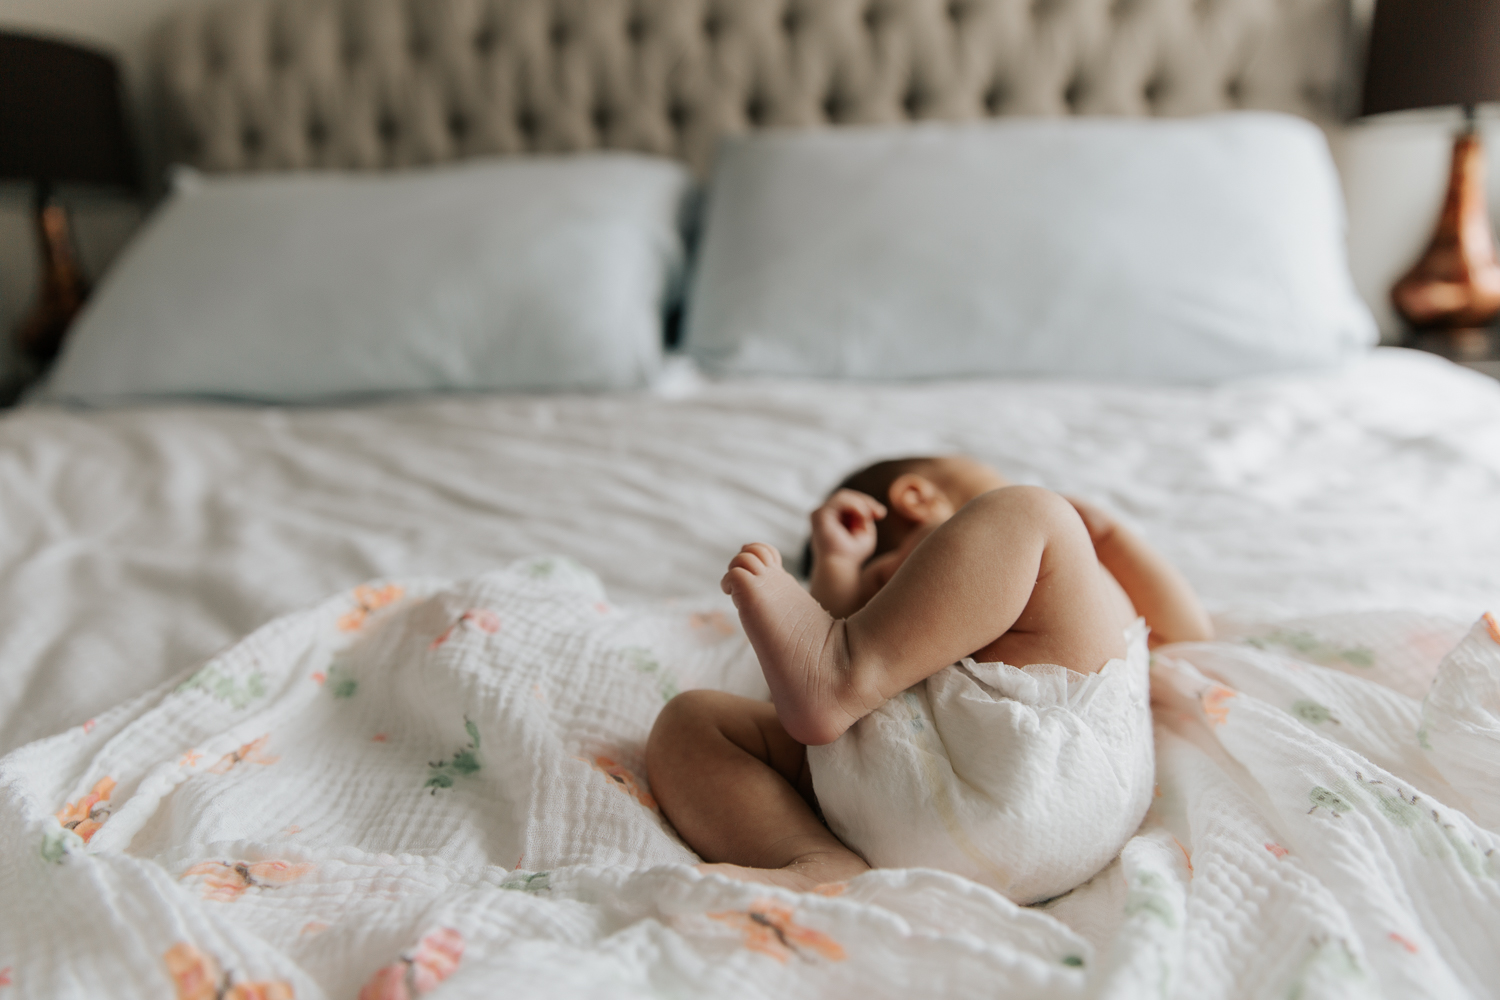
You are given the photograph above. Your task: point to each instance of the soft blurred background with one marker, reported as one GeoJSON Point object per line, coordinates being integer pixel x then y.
{"type": "Point", "coordinates": [1394, 169]}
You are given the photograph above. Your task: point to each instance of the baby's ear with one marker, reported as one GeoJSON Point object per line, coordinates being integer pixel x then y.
{"type": "Point", "coordinates": [918, 499]}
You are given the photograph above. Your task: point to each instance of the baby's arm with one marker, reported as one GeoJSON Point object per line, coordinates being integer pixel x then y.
{"type": "Point", "coordinates": [1160, 593]}
{"type": "Point", "coordinates": [843, 537]}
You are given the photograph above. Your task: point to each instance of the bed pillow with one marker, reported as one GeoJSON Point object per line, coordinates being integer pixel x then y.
{"type": "Point", "coordinates": [536, 273]}
{"type": "Point", "coordinates": [1188, 250]}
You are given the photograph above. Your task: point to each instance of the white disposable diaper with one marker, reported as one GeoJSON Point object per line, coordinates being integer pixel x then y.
{"type": "Point", "coordinates": [1027, 779]}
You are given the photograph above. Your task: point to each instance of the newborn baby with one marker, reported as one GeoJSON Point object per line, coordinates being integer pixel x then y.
{"type": "Point", "coordinates": [896, 714]}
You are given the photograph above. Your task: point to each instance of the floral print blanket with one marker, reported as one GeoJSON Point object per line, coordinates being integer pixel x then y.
{"type": "Point", "coordinates": [432, 788]}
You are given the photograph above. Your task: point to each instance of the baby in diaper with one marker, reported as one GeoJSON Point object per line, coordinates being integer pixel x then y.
{"type": "Point", "coordinates": [963, 686]}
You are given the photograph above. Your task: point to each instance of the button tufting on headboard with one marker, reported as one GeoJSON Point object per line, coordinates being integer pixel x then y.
{"type": "Point", "coordinates": [367, 84]}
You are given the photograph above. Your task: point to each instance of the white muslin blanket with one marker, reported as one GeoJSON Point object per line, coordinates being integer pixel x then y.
{"type": "Point", "coordinates": [434, 789]}
{"type": "Point", "coordinates": [1026, 779]}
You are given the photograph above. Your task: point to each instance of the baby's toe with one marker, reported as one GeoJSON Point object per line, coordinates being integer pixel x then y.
{"type": "Point", "coordinates": [746, 561]}
{"type": "Point", "coordinates": [766, 554]}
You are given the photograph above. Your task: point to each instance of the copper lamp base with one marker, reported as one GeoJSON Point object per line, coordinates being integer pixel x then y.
{"type": "Point", "coordinates": [63, 285]}
{"type": "Point", "coordinates": [1456, 284]}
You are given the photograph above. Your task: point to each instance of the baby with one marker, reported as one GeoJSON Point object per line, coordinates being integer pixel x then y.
{"type": "Point", "coordinates": [894, 712]}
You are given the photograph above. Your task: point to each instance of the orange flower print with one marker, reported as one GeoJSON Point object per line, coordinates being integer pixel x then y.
{"type": "Point", "coordinates": [1276, 849]}
{"type": "Point", "coordinates": [1216, 704]}
{"type": "Point", "coordinates": [197, 977]}
{"type": "Point", "coordinates": [88, 814]}
{"type": "Point", "coordinates": [226, 881]}
{"type": "Point", "coordinates": [433, 960]}
{"type": "Point", "coordinates": [195, 974]}
{"type": "Point", "coordinates": [1187, 858]}
{"type": "Point", "coordinates": [767, 927]}
{"type": "Point", "coordinates": [484, 620]}
{"type": "Point", "coordinates": [260, 991]}
{"type": "Point", "coordinates": [1405, 941]}
{"type": "Point", "coordinates": [714, 621]}
{"type": "Point", "coordinates": [370, 599]}
{"type": "Point", "coordinates": [618, 774]}
{"type": "Point", "coordinates": [250, 753]}
{"type": "Point", "coordinates": [1492, 625]}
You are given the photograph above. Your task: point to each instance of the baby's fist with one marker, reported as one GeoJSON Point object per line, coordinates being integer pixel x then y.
{"type": "Point", "coordinates": [844, 527]}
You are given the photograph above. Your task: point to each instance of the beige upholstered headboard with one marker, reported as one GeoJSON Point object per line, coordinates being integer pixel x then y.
{"type": "Point", "coordinates": [286, 84]}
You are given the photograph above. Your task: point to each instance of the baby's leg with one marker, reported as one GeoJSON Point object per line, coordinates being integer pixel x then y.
{"type": "Point", "coordinates": [736, 787]}
{"type": "Point", "coordinates": [1015, 559]}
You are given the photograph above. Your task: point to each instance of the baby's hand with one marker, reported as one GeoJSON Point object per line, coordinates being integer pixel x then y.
{"type": "Point", "coordinates": [844, 527]}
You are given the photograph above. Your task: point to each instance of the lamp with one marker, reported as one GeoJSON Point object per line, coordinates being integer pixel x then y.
{"type": "Point", "coordinates": [1432, 53]}
{"type": "Point", "coordinates": [61, 121]}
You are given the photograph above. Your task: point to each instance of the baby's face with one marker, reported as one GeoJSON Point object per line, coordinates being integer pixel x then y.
{"type": "Point", "coordinates": [955, 480]}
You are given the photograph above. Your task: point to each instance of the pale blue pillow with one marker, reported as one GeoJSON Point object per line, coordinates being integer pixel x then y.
{"type": "Point", "coordinates": [1186, 250]}
{"type": "Point", "coordinates": [525, 274]}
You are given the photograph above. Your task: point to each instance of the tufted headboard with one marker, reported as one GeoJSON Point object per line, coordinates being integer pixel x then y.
{"type": "Point", "coordinates": [293, 84]}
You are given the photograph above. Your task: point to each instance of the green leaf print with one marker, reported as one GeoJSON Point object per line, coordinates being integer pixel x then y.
{"type": "Point", "coordinates": [1148, 895]}
{"type": "Point", "coordinates": [341, 682]}
{"type": "Point", "coordinates": [214, 681]}
{"type": "Point", "coordinates": [58, 844]}
{"type": "Point", "coordinates": [1313, 713]}
{"type": "Point", "coordinates": [642, 660]}
{"type": "Point", "coordinates": [1433, 834]}
{"type": "Point", "coordinates": [464, 762]}
{"type": "Point", "coordinates": [1322, 798]}
{"type": "Point", "coordinates": [528, 882]}
{"type": "Point", "coordinates": [1315, 649]}
{"type": "Point", "coordinates": [1330, 960]}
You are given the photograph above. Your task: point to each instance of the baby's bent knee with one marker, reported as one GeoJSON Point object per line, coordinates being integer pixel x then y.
{"type": "Point", "coordinates": [680, 726]}
{"type": "Point", "coordinates": [693, 716]}
{"type": "Point", "coordinates": [1032, 507]}
{"type": "Point", "coordinates": [684, 712]}
{"type": "Point", "coordinates": [1032, 501]}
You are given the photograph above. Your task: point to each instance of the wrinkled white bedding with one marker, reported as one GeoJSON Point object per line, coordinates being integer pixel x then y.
{"type": "Point", "coordinates": [136, 543]}
{"type": "Point", "coordinates": [416, 788]}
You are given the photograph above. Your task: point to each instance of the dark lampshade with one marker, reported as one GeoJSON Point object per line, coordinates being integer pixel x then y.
{"type": "Point", "coordinates": [62, 118]}
{"type": "Point", "coordinates": [1432, 53]}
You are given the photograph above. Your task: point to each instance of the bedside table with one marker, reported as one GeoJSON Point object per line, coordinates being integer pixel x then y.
{"type": "Point", "coordinates": [1478, 349]}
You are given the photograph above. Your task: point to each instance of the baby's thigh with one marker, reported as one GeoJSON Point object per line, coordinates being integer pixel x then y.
{"type": "Point", "coordinates": [1075, 615]}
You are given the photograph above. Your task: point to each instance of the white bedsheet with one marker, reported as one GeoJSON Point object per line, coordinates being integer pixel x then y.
{"type": "Point", "coordinates": [136, 543]}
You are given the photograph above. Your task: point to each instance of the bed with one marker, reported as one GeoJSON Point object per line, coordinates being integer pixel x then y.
{"type": "Point", "coordinates": [350, 699]}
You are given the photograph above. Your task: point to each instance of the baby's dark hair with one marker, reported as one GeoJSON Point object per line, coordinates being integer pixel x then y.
{"type": "Point", "coordinates": [873, 480]}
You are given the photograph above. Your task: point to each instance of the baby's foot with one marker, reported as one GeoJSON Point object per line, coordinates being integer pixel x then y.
{"type": "Point", "coordinates": [802, 651]}
{"type": "Point", "coordinates": [806, 874]}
